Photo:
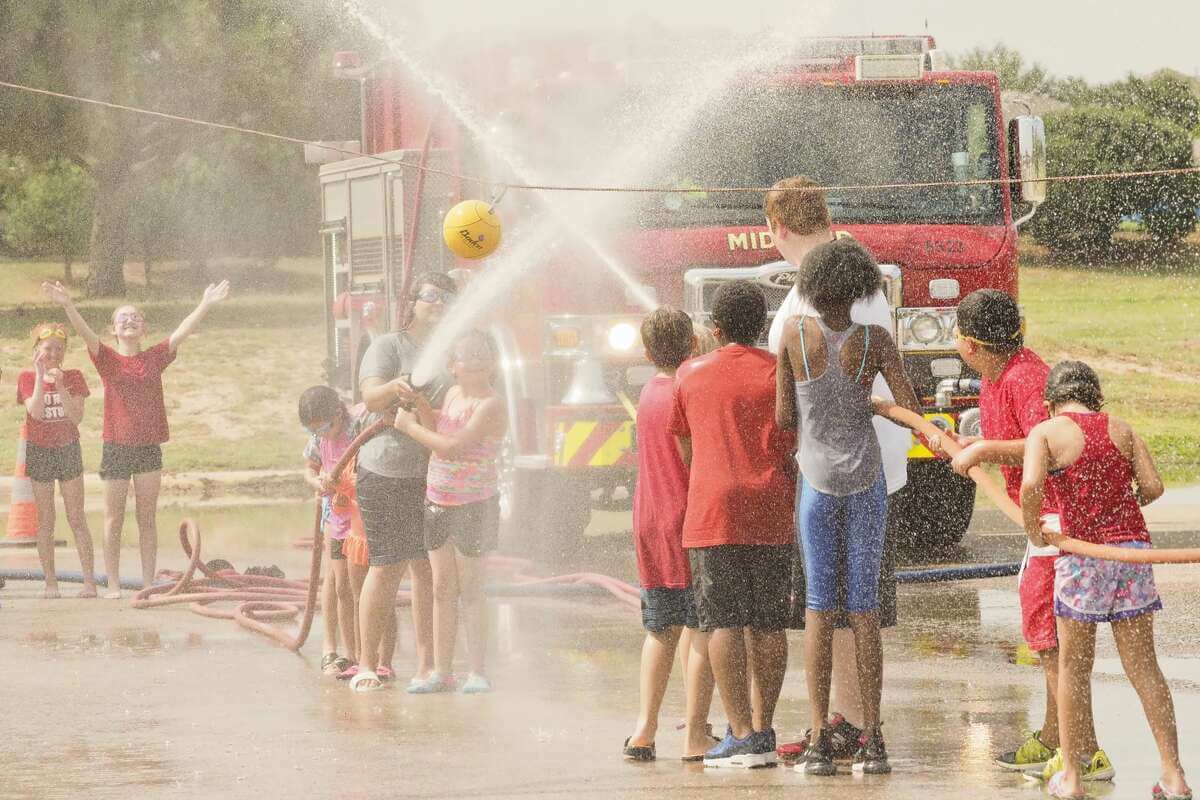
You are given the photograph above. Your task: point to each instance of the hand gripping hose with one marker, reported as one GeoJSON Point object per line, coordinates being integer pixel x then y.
{"type": "Point", "coordinates": [1187, 555]}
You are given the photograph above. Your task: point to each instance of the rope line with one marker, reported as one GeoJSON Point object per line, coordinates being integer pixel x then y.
{"type": "Point", "coordinates": [538, 187]}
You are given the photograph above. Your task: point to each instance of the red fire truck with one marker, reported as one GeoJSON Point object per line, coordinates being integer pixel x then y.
{"type": "Point", "coordinates": [848, 112]}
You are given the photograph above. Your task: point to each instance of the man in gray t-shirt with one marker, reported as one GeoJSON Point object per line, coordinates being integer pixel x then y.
{"type": "Point", "coordinates": [391, 489]}
{"type": "Point", "coordinates": [391, 453]}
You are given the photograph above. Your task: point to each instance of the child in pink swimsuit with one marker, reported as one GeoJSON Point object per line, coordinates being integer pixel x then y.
{"type": "Point", "coordinates": [462, 508]}
{"type": "Point", "coordinates": [1101, 473]}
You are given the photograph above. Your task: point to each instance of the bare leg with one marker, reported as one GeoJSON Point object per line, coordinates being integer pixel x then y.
{"type": "Point", "coordinates": [471, 575]}
{"type": "Point", "coordinates": [698, 684]}
{"type": "Point", "coordinates": [358, 574]}
{"type": "Point", "coordinates": [727, 652]}
{"type": "Point", "coordinates": [869, 649]}
{"type": "Point", "coordinates": [115, 494]}
{"type": "Point", "coordinates": [43, 498]}
{"type": "Point", "coordinates": [340, 571]}
{"type": "Point", "coordinates": [445, 607]}
{"type": "Point", "coordinates": [1135, 644]}
{"type": "Point", "coordinates": [422, 610]}
{"type": "Point", "coordinates": [1049, 735]}
{"type": "Point", "coordinates": [818, 665]}
{"type": "Point", "coordinates": [329, 607]}
{"type": "Point", "coordinates": [845, 690]}
{"type": "Point", "coordinates": [145, 497]}
{"type": "Point", "coordinates": [770, 664]}
{"type": "Point", "coordinates": [72, 495]}
{"type": "Point", "coordinates": [377, 610]}
{"type": "Point", "coordinates": [658, 656]}
{"type": "Point", "coordinates": [1077, 653]}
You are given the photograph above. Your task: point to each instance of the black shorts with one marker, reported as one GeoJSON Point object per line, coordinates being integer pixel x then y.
{"type": "Point", "coordinates": [474, 527]}
{"type": "Point", "coordinates": [120, 462]}
{"type": "Point", "coordinates": [393, 514]}
{"type": "Point", "coordinates": [664, 608]}
{"type": "Point", "coordinates": [335, 549]}
{"type": "Point", "coordinates": [887, 590]}
{"type": "Point", "coordinates": [50, 464]}
{"type": "Point", "coordinates": [739, 585]}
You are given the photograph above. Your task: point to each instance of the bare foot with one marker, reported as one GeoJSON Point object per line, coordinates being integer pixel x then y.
{"type": "Point", "coordinates": [51, 593]}
{"type": "Point", "coordinates": [88, 591]}
{"type": "Point", "coordinates": [113, 595]}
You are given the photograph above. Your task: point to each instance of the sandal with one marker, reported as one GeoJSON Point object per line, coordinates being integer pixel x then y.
{"type": "Point", "coordinates": [330, 664]}
{"type": "Point", "coordinates": [348, 673]}
{"type": "Point", "coordinates": [638, 752]}
{"type": "Point", "coordinates": [1159, 793]}
{"type": "Point", "coordinates": [385, 673]}
{"type": "Point", "coordinates": [356, 683]}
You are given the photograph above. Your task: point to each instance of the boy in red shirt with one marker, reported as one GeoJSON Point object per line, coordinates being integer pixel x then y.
{"type": "Point", "coordinates": [53, 399]}
{"type": "Point", "coordinates": [991, 341]}
{"type": "Point", "coordinates": [135, 419]}
{"type": "Point", "coordinates": [659, 505]}
{"type": "Point", "coordinates": [738, 525]}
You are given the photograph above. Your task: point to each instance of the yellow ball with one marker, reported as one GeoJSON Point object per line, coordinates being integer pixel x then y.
{"type": "Point", "coordinates": [471, 229]}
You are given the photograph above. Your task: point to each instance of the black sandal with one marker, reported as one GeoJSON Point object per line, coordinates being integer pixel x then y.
{"type": "Point", "coordinates": [331, 660]}
{"type": "Point", "coordinates": [638, 752]}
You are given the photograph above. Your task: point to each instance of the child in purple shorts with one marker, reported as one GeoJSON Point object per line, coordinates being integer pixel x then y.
{"type": "Point", "coordinates": [1093, 462]}
{"type": "Point", "coordinates": [659, 504]}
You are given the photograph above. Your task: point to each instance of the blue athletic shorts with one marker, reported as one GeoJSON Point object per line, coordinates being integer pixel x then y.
{"type": "Point", "coordinates": [843, 536]}
{"type": "Point", "coordinates": [664, 608]}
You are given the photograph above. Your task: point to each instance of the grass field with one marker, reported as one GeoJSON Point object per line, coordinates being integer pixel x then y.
{"type": "Point", "coordinates": [231, 394]}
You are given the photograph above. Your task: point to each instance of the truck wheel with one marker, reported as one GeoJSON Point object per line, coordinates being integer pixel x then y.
{"type": "Point", "coordinates": [545, 513]}
{"type": "Point", "coordinates": [931, 514]}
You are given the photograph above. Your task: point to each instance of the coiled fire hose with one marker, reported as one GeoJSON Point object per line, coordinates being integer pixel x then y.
{"type": "Point", "coordinates": [909, 419]}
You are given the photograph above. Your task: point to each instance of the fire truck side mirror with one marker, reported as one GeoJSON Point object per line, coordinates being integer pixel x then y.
{"type": "Point", "coordinates": [1027, 142]}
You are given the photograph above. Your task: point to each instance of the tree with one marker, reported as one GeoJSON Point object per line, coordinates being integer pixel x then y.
{"type": "Point", "coordinates": [255, 63]}
{"type": "Point", "coordinates": [1080, 217]}
{"type": "Point", "coordinates": [50, 214]}
{"type": "Point", "coordinates": [1010, 68]}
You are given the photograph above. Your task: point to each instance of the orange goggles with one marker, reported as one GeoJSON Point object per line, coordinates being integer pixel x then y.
{"type": "Point", "coordinates": [55, 331]}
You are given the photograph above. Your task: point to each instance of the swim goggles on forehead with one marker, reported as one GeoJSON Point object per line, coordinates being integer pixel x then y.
{"type": "Point", "coordinates": [435, 296]}
{"type": "Point", "coordinates": [55, 331]}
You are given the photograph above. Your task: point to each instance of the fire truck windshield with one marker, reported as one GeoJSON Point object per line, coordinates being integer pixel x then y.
{"type": "Point", "coordinates": [839, 135]}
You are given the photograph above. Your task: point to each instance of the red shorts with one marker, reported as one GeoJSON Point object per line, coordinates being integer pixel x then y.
{"type": "Point", "coordinates": [1037, 603]}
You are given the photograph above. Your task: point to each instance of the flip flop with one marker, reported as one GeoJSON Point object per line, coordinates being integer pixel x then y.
{"type": "Point", "coordinates": [385, 673]}
{"type": "Point", "coordinates": [348, 673]}
{"type": "Point", "coordinates": [356, 683]}
{"type": "Point", "coordinates": [330, 665]}
{"type": "Point", "coordinates": [638, 752]}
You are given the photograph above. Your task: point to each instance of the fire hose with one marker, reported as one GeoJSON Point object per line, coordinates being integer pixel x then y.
{"type": "Point", "coordinates": [914, 421]}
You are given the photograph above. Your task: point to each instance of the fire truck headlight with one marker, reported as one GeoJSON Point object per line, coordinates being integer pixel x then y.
{"type": "Point", "coordinates": [623, 337]}
{"type": "Point", "coordinates": [925, 328]}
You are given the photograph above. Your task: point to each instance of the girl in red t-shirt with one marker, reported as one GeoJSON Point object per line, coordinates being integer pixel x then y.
{"type": "Point", "coordinates": [1093, 462]}
{"type": "Point", "coordinates": [53, 400]}
{"type": "Point", "coordinates": [135, 419]}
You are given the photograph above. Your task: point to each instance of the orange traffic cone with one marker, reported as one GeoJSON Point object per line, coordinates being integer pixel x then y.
{"type": "Point", "coordinates": [22, 511]}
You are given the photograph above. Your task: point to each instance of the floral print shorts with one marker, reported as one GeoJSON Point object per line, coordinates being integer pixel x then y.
{"type": "Point", "coordinates": [1098, 590]}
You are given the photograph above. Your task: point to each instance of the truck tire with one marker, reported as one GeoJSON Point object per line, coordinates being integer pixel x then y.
{"type": "Point", "coordinates": [545, 514]}
{"type": "Point", "coordinates": [930, 515]}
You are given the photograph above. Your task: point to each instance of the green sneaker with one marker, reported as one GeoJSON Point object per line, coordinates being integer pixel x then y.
{"type": "Point", "coordinates": [1031, 756]}
{"type": "Point", "coordinates": [1099, 768]}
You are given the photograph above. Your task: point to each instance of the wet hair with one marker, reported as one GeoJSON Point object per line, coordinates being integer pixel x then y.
{"type": "Point", "coordinates": [801, 212]}
{"type": "Point", "coordinates": [992, 319]}
{"type": "Point", "coordinates": [1074, 381]}
{"type": "Point", "coordinates": [35, 333]}
{"type": "Point", "coordinates": [740, 311]}
{"type": "Point", "coordinates": [667, 337]}
{"type": "Point", "coordinates": [837, 273]}
{"type": "Point", "coordinates": [319, 403]}
{"type": "Point", "coordinates": [473, 335]}
{"type": "Point", "coordinates": [439, 279]}
{"type": "Point", "coordinates": [705, 341]}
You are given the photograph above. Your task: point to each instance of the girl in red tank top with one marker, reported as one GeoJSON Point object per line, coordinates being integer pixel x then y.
{"type": "Point", "coordinates": [1102, 474]}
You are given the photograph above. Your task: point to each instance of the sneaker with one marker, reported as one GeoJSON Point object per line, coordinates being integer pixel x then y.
{"type": "Point", "coordinates": [1031, 756]}
{"type": "Point", "coordinates": [476, 684]}
{"type": "Point", "coordinates": [755, 750]}
{"type": "Point", "coordinates": [433, 684]}
{"type": "Point", "coordinates": [843, 741]}
{"type": "Point", "coordinates": [818, 758]}
{"type": "Point", "coordinates": [1098, 768]}
{"type": "Point", "coordinates": [872, 757]}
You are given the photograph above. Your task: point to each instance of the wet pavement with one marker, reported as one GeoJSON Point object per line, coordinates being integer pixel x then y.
{"type": "Point", "coordinates": [102, 700]}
